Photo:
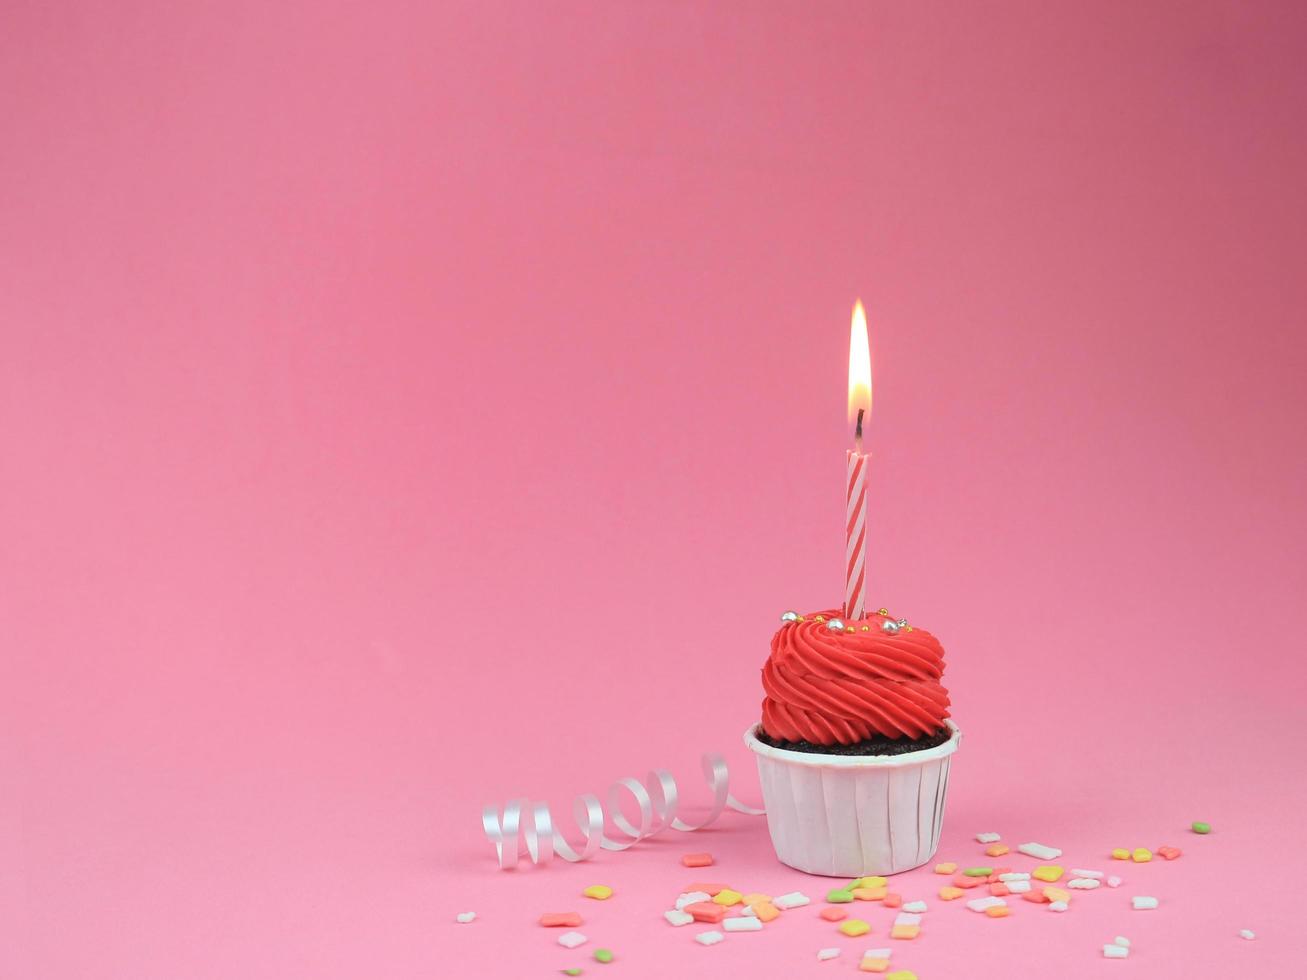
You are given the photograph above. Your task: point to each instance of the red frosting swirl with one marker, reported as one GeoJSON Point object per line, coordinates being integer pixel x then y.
{"type": "Point", "coordinates": [831, 687]}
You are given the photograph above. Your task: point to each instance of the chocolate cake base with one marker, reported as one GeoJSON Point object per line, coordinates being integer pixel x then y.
{"type": "Point", "coordinates": [877, 745]}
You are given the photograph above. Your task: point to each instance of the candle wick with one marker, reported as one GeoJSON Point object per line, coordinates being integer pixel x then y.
{"type": "Point", "coordinates": [857, 431]}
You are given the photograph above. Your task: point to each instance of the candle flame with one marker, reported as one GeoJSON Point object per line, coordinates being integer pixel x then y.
{"type": "Point", "coordinates": [859, 367]}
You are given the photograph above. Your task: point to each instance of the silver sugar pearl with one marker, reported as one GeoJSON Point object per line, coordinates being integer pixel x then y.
{"type": "Point", "coordinates": [889, 626]}
{"type": "Point", "coordinates": [789, 616]}
{"type": "Point", "coordinates": [902, 623]}
{"type": "Point", "coordinates": [835, 624]}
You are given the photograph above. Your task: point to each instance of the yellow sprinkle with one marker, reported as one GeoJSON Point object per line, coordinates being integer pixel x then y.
{"type": "Point", "coordinates": [753, 898]}
{"type": "Point", "coordinates": [947, 868]}
{"type": "Point", "coordinates": [1057, 894]}
{"type": "Point", "coordinates": [727, 897]}
{"type": "Point", "coordinates": [950, 892]}
{"type": "Point", "coordinates": [1142, 854]}
{"type": "Point", "coordinates": [904, 932]}
{"type": "Point", "coordinates": [1121, 853]}
{"type": "Point", "coordinates": [872, 881]}
{"type": "Point", "coordinates": [1047, 872]}
{"type": "Point", "coordinates": [854, 927]}
{"type": "Point", "coordinates": [598, 891]}
{"type": "Point", "coordinates": [873, 964]}
{"type": "Point", "coordinates": [901, 975]}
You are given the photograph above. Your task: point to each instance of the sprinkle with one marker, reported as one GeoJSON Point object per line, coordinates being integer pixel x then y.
{"type": "Point", "coordinates": [1018, 887]}
{"type": "Point", "coordinates": [677, 917]}
{"type": "Point", "coordinates": [571, 971]}
{"type": "Point", "coordinates": [707, 912]}
{"type": "Point", "coordinates": [709, 938]}
{"type": "Point", "coordinates": [833, 913]}
{"type": "Point", "coordinates": [998, 911]}
{"type": "Point", "coordinates": [465, 917]}
{"type": "Point", "coordinates": [839, 895]}
{"type": "Point", "coordinates": [1011, 876]}
{"type": "Point", "coordinates": [1113, 881]}
{"type": "Point", "coordinates": [965, 881]}
{"type": "Point", "coordinates": [901, 975]}
{"type": "Point", "coordinates": [909, 918]}
{"type": "Point", "coordinates": [914, 906]}
{"type": "Point", "coordinates": [1038, 897]}
{"type": "Point", "coordinates": [753, 898]}
{"type": "Point", "coordinates": [1244, 933]}
{"type": "Point", "coordinates": [571, 939]}
{"type": "Point", "coordinates": [978, 872]}
{"type": "Point", "coordinates": [904, 932]}
{"type": "Point", "coordinates": [749, 910]}
{"type": "Point", "coordinates": [948, 893]}
{"type": "Point", "coordinates": [1144, 902]}
{"type": "Point", "coordinates": [854, 927]}
{"type": "Point", "coordinates": [829, 953]}
{"type": "Point", "coordinates": [742, 923]}
{"type": "Point", "coordinates": [997, 850]}
{"type": "Point", "coordinates": [791, 900]}
{"type": "Point", "coordinates": [1120, 854]}
{"type": "Point", "coordinates": [870, 894]}
{"type": "Point", "coordinates": [1082, 873]}
{"type": "Point", "coordinates": [1113, 952]}
{"type": "Point", "coordinates": [988, 838]}
{"type": "Point", "coordinates": [689, 898]}
{"type": "Point", "coordinates": [1083, 883]}
{"type": "Point", "coordinates": [1058, 906]}
{"type": "Point", "coordinates": [1048, 872]}
{"type": "Point", "coordinates": [604, 955]}
{"type": "Point", "coordinates": [980, 904]}
{"type": "Point", "coordinates": [892, 901]}
{"type": "Point", "coordinates": [1041, 851]}
{"type": "Point", "coordinates": [874, 964]}
{"type": "Point", "coordinates": [999, 889]}
{"type": "Point", "coordinates": [879, 954]}
{"type": "Point", "coordinates": [1057, 894]}
{"type": "Point", "coordinates": [871, 881]}
{"type": "Point", "coordinates": [947, 868]}
{"type": "Point", "coordinates": [552, 919]}
{"type": "Point", "coordinates": [1141, 854]}
{"type": "Point", "coordinates": [600, 892]}
{"type": "Point", "coordinates": [1121, 941]}
{"type": "Point", "coordinates": [765, 911]}
{"type": "Point", "coordinates": [701, 860]}
{"type": "Point", "coordinates": [727, 897]}
{"type": "Point", "coordinates": [1168, 852]}
{"type": "Point", "coordinates": [1199, 827]}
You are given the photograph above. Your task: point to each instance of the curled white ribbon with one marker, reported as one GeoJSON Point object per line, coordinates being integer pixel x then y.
{"type": "Point", "coordinates": [657, 799]}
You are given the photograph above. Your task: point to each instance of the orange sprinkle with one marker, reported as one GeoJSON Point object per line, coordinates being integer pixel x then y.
{"type": "Point", "coordinates": [833, 913]}
{"type": "Point", "coordinates": [870, 894]}
{"type": "Point", "coordinates": [697, 860]}
{"type": "Point", "coordinates": [997, 911]}
{"type": "Point", "coordinates": [765, 911]}
{"type": "Point", "coordinates": [997, 850]}
{"type": "Point", "coordinates": [964, 881]}
{"type": "Point", "coordinates": [706, 911]}
{"type": "Point", "coordinates": [892, 901]}
{"type": "Point", "coordinates": [1036, 896]}
{"type": "Point", "coordinates": [948, 893]}
{"type": "Point", "coordinates": [904, 932]}
{"type": "Point", "coordinates": [561, 919]}
{"type": "Point", "coordinates": [998, 889]}
{"type": "Point", "coordinates": [947, 868]}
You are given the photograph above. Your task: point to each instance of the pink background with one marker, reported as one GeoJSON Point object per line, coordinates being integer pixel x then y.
{"type": "Point", "coordinates": [410, 406]}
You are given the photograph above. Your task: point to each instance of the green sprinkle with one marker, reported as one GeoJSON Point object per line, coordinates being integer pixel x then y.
{"type": "Point", "coordinates": [604, 955]}
{"type": "Point", "coordinates": [572, 971]}
{"type": "Point", "coordinates": [1202, 828]}
{"type": "Point", "coordinates": [978, 872]}
{"type": "Point", "coordinates": [839, 895]}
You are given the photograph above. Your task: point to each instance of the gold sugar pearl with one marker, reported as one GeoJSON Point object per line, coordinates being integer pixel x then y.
{"type": "Point", "coordinates": [820, 619]}
{"type": "Point", "coordinates": [866, 629]}
{"type": "Point", "coordinates": [850, 629]}
{"type": "Point", "coordinates": [883, 611]}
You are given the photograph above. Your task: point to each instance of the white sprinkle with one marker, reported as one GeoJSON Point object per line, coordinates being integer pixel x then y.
{"type": "Point", "coordinates": [980, 904]}
{"type": "Point", "coordinates": [689, 898]}
{"type": "Point", "coordinates": [1041, 851]}
{"type": "Point", "coordinates": [678, 918]}
{"type": "Point", "coordinates": [907, 919]}
{"type": "Point", "coordinates": [1144, 902]}
{"type": "Point", "coordinates": [791, 900]}
{"type": "Point", "coordinates": [877, 954]}
{"type": "Point", "coordinates": [1116, 952]}
{"type": "Point", "coordinates": [988, 838]}
{"type": "Point", "coordinates": [1083, 873]}
{"type": "Point", "coordinates": [1011, 876]}
{"type": "Point", "coordinates": [1057, 906]}
{"type": "Point", "coordinates": [1113, 881]}
{"type": "Point", "coordinates": [1121, 941]}
{"type": "Point", "coordinates": [571, 939]}
{"type": "Point", "coordinates": [742, 923]}
{"type": "Point", "coordinates": [465, 916]}
{"type": "Point", "coordinates": [1018, 887]}
{"type": "Point", "coordinates": [914, 906]}
{"type": "Point", "coordinates": [829, 953]}
{"type": "Point", "coordinates": [1083, 883]}
{"type": "Point", "coordinates": [709, 938]}
{"type": "Point", "coordinates": [1247, 934]}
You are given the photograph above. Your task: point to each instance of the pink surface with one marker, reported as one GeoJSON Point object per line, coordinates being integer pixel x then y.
{"type": "Point", "coordinates": [412, 406]}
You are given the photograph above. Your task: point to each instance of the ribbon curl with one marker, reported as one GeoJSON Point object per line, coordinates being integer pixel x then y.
{"type": "Point", "coordinates": [657, 798]}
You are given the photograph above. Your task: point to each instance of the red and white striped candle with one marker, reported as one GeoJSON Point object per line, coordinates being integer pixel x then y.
{"type": "Point", "coordinates": [855, 498]}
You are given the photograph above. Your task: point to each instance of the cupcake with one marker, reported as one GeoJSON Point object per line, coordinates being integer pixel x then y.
{"type": "Point", "coordinates": [854, 745]}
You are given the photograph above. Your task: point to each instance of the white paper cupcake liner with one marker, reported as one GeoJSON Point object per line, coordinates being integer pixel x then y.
{"type": "Point", "coordinates": [854, 815]}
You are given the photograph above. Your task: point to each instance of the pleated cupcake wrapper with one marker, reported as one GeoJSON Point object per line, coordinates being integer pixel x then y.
{"type": "Point", "coordinates": [850, 816]}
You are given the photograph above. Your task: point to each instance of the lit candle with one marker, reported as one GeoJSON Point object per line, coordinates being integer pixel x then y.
{"type": "Point", "coordinates": [855, 552]}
